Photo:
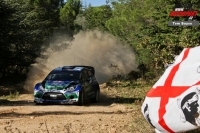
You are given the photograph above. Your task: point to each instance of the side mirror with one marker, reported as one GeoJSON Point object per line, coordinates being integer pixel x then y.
{"type": "Point", "coordinates": [88, 80]}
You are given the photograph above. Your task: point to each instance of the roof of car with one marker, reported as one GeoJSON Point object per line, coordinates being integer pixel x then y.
{"type": "Point", "coordinates": [73, 68]}
{"type": "Point", "coordinates": [68, 68]}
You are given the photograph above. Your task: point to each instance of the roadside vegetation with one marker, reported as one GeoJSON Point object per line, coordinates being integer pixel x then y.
{"type": "Point", "coordinates": [132, 94]}
{"type": "Point", "coordinates": [10, 96]}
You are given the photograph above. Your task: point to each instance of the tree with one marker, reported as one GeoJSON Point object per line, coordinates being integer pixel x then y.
{"type": "Point", "coordinates": [69, 13]}
{"type": "Point", "coordinates": [96, 17]}
{"type": "Point", "coordinates": [6, 26]}
{"type": "Point", "coordinates": [25, 31]}
{"type": "Point", "coordinates": [144, 26]}
{"type": "Point", "coordinates": [162, 41]}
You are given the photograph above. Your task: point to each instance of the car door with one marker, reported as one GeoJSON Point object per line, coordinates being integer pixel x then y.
{"type": "Point", "coordinates": [86, 83]}
{"type": "Point", "coordinates": [92, 83]}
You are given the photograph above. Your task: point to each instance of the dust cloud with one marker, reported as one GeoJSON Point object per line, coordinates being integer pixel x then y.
{"type": "Point", "coordinates": [93, 48]}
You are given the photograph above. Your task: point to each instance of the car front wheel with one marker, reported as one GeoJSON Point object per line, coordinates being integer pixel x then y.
{"type": "Point", "coordinates": [96, 98]}
{"type": "Point", "coordinates": [81, 99]}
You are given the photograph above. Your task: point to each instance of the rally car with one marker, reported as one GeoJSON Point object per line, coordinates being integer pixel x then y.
{"type": "Point", "coordinates": [68, 85]}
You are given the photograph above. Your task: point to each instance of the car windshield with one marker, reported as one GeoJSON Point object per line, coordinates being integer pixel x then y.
{"type": "Point", "coordinates": [69, 75]}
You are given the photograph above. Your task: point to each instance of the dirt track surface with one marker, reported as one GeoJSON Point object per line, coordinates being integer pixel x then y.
{"type": "Point", "coordinates": [23, 116]}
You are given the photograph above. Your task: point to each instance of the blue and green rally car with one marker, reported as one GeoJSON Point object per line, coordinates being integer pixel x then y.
{"type": "Point", "coordinates": [68, 85]}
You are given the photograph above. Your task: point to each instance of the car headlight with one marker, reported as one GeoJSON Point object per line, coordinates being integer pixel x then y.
{"type": "Point", "coordinates": [70, 88]}
{"type": "Point", "coordinates": [41, 88]}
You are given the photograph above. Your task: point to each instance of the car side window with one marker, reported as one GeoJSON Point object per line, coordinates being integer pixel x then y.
{"type": "Point", "coordinates": [84, 76]}
{"type": "Point", "coordinates": [89, 73]}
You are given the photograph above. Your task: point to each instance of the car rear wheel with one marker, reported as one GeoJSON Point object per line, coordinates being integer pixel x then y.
{"type": "Point", "coordinates": [81, 99]}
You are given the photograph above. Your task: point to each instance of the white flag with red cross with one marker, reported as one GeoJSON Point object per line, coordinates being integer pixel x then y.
{"type": "Point", "coordinates": [172, 104]}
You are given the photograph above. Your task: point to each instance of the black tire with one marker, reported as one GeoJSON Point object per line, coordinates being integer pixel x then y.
{"type": "Point", "coordinates": [96, 98]}
{"type": "Point", "coordinates": [81, 99]}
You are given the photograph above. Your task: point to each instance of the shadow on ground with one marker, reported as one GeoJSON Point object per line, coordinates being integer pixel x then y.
{"type": "Point", "coordinates": [107, 101]}
{"type": "Point", "coordinates": [11, 113]}
{"type": "Point", "coordinates": [104, 101]}
{"type": "Point", "coordinates": [15, 103]}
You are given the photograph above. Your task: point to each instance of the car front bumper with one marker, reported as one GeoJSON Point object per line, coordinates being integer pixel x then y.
{"type": "Point", "coordinates": [67, 101]}
{"type": "Point", "coordinates": [57, 97]}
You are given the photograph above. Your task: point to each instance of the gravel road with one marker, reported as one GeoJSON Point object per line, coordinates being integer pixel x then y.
{"type": "Point", "coordinates": [23, 116]}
